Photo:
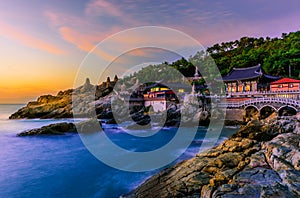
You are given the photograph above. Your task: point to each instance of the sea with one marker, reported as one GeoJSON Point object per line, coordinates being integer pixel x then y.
{"type": "Point", "coordinates": [61, 165]}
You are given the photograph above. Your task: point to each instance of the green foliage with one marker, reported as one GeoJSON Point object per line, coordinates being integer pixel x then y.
{"type": "Point", "coordinates": [276, 55]}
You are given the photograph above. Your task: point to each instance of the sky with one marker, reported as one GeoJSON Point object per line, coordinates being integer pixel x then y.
{"type": "Point", "coordinates": [43, 43]}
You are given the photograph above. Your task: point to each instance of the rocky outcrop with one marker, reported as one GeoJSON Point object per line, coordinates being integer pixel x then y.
{"type": "Point", "coordinates": [60, 106]}
{"type": "Point", "coordinates": [47, 106]}
{"type": "Point", "coordinates": [52, 129]}
{"type": "Point", "coordinates": [87, 126]}
{"type": "Point", "coordinates": [261, 160]}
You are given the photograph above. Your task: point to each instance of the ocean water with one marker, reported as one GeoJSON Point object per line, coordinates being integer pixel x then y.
{"type": "Point", "coordinates": [61, 166]}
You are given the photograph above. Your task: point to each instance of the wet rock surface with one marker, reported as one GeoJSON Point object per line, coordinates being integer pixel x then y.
{"type": "Point", "coordinates": [88, 126]}
{"type": "Point", "coordinates": [261, 160]}
{"type": "Point", "coordinates": [52, 129]}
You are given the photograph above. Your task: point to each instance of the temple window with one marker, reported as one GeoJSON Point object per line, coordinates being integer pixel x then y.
{"type": "Point", "coordinates": [240, 88]}
{"type": "Point", "coordinates": [247, 87]}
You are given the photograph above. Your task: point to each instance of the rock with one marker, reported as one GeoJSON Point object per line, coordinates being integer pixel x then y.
{"type": "Point", "coordinates": [52, 129]}
{"type": "Point", "coordinates": [233, 122]}
{"type": "Point", "coordinates": [291, 179]}
{"type": "Point", "coordinates": [47, 106]}
{"type": "Point", "coordinates": [87, 126]}
{"type": "Point", "coordinates": [85, 99]}
{"type": "Point", "coordinates": [87, 86]}
{"type": "Point", "coordinates": [256, 182]}
{"type": "Point", "coordinates": [260, 160]}
{"type": "Point", "coordinates": [111, 121]}
{"type": "Point", "coordinates": [283, 152]}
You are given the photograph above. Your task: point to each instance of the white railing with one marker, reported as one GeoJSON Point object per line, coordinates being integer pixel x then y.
{"type": "Point", "coordinates": [285, 101]}
{"type": "Point", "coordinates": [264, 92]}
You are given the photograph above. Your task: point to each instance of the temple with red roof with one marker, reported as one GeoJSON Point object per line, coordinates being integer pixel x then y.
{"type": "Point", "coordinates": [285, 84]}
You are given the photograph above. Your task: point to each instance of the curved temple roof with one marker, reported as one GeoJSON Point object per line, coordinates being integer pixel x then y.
{"type": "Point", "coordinates": [247, 73]}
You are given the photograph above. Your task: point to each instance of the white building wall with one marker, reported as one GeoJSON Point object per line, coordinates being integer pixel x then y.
{"type": "Point", "coordinates": [157, 105]}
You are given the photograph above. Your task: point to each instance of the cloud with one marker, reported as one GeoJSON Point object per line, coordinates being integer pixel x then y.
{"type": "Point", "coordinates": [102, 7]}
{"type": "Point", "coordinates": [85, 42]}
{"type": "Point", "coordinates": [87, 30]}
{"type": "Point", "coordinates": [236, 28]}
{"type": "Point", "coordinates": [58, 19]}
{"type": "Point", "coordinates": [105, 8]}
{"type": "Point", "coordinates": [207, 22]}
{"type": "Point", "coordinates": [82, 42]}
{"type": "Point", "coordinates": [14, 33]}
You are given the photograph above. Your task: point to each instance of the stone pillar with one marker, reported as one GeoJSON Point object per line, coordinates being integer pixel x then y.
{"type": "Point", "coordinates": [108, 80]}
{"type": "Point", "coordinates": [116, 78]}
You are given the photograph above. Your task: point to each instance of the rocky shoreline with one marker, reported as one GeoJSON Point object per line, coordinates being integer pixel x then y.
{"type": "Point", "coordinates": [261, 160]}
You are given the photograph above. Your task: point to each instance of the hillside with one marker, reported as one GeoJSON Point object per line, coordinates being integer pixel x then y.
{"type": "Point", "coordinates": [278, 56]}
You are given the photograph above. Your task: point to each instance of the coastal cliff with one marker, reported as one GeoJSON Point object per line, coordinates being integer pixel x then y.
{"type": "Point", "coordinates": [47, 106]}
{"type": "Point", "coordinates": [60, 106]}
{"type": "Point", "coordinates": [261, 160]}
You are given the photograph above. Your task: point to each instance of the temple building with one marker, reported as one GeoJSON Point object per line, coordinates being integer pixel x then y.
{"type": "Point", "coordinates": [159, 96]}
{"type": "Point", "coordinates": [251, 79]}
{"type": "Point", "coordinates": [285, 85]}
{"type": "Point", "coordinates": [160, 99]}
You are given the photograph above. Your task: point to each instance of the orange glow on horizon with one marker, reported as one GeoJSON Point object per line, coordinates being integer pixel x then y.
{"type": "Point", "coordinates": [27, 83]}
{"type": "Point", "coordinates": [21, 92]}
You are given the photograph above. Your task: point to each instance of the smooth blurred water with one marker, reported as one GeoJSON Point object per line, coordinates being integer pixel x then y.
{"type": "Point", "coordinates": [60, 166]}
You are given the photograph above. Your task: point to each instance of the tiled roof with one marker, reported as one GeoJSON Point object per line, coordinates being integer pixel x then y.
{"type": "Point", "coordinates": [244, 73]}
{"type": "Point", "coordinates": [271, 77]}
{"type": "Point", "coordinates": [286, 80]}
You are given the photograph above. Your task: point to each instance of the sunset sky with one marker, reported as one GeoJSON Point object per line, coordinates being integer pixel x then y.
{"type": "Point", "coordinates": [42, 43]}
